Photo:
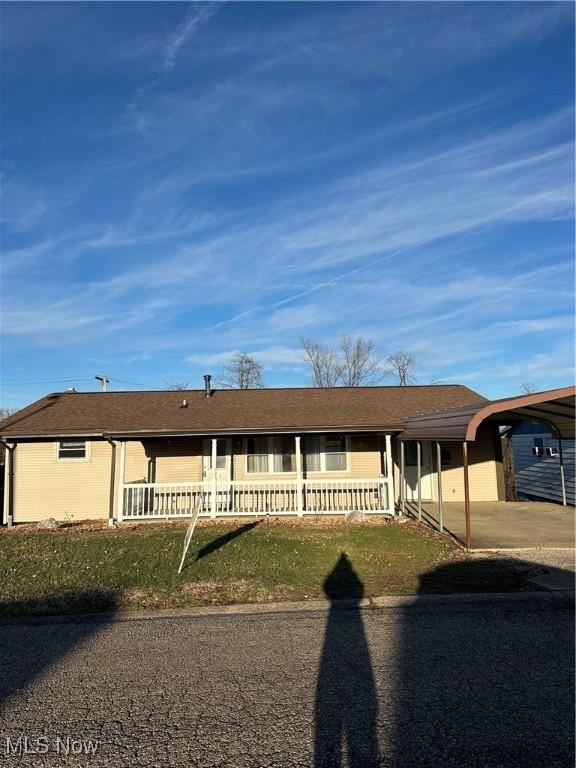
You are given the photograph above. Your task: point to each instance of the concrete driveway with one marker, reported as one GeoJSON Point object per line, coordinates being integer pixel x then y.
{"type": "Point", "coordinates": [450, 682]}
{"type": "Point", "coordinates": [508, 525]}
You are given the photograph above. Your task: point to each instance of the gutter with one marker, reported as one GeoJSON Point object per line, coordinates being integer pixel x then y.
{"type": "Point", "coordinates": [112, 483]}
{"type": "Point", "coordinates": [209, 432]}
{"type": "Point", "coordinates": [8, 511]}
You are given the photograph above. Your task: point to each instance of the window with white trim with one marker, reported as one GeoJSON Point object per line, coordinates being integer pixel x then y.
{"type": "Point", "coordinates": [72, 449]}
{"type": "Point", "coordinates": [257, 455]}
{"type": "Point", "coordinates": [335, 453]}
{"type": "Point", "coordinates": [325, 453]}
{"type": "Point", "coordinates": [270, 455]}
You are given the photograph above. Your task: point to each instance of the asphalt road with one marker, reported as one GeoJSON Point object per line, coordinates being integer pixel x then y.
{"type": "Point", "coordinates": [434, 684]}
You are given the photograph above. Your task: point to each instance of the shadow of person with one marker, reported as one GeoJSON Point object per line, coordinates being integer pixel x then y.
{"type": "Point", "coordinates": [485, 679]}
{"type": "Point", "coordinates": [346, 705]}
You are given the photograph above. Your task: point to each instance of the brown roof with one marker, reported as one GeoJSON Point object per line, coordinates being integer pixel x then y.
{"type": "Point", "coordinates": [231, 411]}
{"type": "Point", "coordinates": [554, 406]}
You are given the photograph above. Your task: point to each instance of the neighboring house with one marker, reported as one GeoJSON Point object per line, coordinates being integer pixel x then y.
{"type": "Point", "coordinates": [537, 463]}
{"type": "Point", "coordinates": [135, 455]}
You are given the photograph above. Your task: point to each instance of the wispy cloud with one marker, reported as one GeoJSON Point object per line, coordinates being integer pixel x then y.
{"type": "Point", "coordinates": [198, 14]}
{"type": "Point", "coordinates": [303, 177]}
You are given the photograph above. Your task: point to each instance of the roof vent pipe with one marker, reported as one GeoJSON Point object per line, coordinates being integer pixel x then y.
{"type": "Point", "coordinates": [207, 387]}
{"type": "Point", "coordinates": [184, 404]}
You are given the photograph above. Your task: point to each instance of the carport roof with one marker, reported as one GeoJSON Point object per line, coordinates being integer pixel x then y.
{"type": "Point", "coordinates": [554, 407]}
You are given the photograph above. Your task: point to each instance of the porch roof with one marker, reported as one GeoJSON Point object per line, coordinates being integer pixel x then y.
{"type": "Point", "coordinates": [251, 411]}
{"type": "Point", "coordinates": [554, 407]}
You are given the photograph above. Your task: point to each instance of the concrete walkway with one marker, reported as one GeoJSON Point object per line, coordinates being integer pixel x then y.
{"type": "Point", "coordinates": [507, 525]}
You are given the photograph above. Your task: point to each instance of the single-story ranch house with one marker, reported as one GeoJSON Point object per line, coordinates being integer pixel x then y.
{"type": "Point", "coordinates": [302, 451]}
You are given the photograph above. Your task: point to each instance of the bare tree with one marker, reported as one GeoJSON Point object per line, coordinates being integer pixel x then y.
{"type": "Point", "coordinates": [178, 385]}
{"type": "Point", "coordinates": [358, 363]}
{"type": "Point", "coordinates": [528, 387]}
{"type": "Point", "coordinates": [323, 363]}
{"type": "Point", "coordinates": [242, 372]}
{"type": "Point", "coordinates": [400, 365]}
{"type": "Point", "coordinates": [6, 411]}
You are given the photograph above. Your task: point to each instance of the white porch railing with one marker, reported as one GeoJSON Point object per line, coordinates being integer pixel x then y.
{"type": "Point", "coordinates": [255, 497]}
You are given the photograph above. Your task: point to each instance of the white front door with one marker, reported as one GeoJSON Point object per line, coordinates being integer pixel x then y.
{"type": "Point", "coordinates": [223, 460]}
{"type": "Point", "coordinates": [411, 471]}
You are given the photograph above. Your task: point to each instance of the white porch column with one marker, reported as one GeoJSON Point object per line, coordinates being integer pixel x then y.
{"type": "Point", "coordinates": [402, 478]}
{"type": "Point", "coordinates": [299, 477]}
{"type": "Point", "coordinates": [214, 461]}
{"type": "Point", "coordinates": [389, 473]}
{"type": "Point", "coordinates": [120, 511]}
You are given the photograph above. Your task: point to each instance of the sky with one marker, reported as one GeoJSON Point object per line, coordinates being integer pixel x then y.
{"type": "Point", "coordinates": [183, 181]}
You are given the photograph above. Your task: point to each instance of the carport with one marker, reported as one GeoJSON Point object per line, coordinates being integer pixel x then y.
{"type": "Point", "coordinates": [555, 408]}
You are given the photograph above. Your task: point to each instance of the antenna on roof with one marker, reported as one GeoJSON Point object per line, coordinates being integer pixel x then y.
{"type": "Point", "coordinates": [104, 380]}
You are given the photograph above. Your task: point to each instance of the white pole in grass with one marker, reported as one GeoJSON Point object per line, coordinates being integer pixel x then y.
{"type": "Point", "coordinates": [190, 531]}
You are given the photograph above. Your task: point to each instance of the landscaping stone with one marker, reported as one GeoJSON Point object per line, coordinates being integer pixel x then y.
{"type": "Point", "coordinates": [50, 524]}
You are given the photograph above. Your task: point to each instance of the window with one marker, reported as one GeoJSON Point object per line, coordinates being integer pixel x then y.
{"type": "Point", "coordinates": [270, 454]}
{"type": "Point", "coordinates": [257, 454]}
{"type": "Point", "coordinates": [312, 453]}
{"type": "Point", "coordinates": [335, 453]}
{"type": "Point", "coordinates": [72, 449]}
{"type": "Point", "coordinates": [284, 457]}
{"type": "Point", "coordinates": [325, 453]}
{"type": "Point", "coordinates": [411, 453]}
{"type": "Point", "coordinates": [445, 457]}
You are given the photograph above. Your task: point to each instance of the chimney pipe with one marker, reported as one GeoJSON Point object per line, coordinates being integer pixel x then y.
{"type": "Point", "coordinates": [207, 387]}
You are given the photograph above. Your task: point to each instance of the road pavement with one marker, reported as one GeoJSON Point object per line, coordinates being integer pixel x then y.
{"type": "Point", "coordinates": [439, 682]}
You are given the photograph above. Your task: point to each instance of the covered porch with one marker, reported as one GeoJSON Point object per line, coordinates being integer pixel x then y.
{"type": "Point", "coordinates": [255, 475]}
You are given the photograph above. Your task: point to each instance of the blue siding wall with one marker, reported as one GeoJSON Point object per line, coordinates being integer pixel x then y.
{"type": "Point", "coordinates": [539, 476]}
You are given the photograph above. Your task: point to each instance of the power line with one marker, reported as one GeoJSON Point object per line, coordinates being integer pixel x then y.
{"type": "Point", "coordinates": [133, 383]}
{"type": "Point", "coordinates": [44, 381]}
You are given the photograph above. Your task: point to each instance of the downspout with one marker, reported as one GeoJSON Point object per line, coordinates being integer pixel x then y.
{"type": "Point", "coordinates": [8, 511]}
{"type": "Point", "coordinates": [112, 483]}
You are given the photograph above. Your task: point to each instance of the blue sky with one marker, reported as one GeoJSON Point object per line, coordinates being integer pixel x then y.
{"type": "Point", "coordinates": [183, 181]}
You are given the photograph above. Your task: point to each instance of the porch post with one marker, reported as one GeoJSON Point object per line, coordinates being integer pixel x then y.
{"type": "Point", "coordinates": [389, 474]}
{"type": "Point", "coordinates": [419, 476]}
{"type": "Point", "coordinates": [439, 477]}
{"type": "Point", "coordinates": [562, 477]}
{"type": "Point", "coordinates": [214, 477]}
{"type": "Point", "coordinates": [120, 511]}
{"type": "Point", "coordinates": [402, 481]}
{"type": "Point", "coordinates": [466, 495]}
{"type": "Point", "coordinates": [299, 478]}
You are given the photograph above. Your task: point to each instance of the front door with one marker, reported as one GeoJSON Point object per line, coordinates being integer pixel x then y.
{"type": "Point", "coordinates": [223, 461]}
{"type": "Point", "coordinates": [411, 471]}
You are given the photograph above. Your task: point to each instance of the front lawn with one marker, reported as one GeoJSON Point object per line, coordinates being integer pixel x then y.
{"type": "Point", "coordinates": [136, 567]}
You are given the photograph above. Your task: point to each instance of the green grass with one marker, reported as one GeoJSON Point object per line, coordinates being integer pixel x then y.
{"type": "Point", "coordinates": [81, 570]}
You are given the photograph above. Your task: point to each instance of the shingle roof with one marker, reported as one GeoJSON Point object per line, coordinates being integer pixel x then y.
{"type": "Point", "coordinates": [231, 411]}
